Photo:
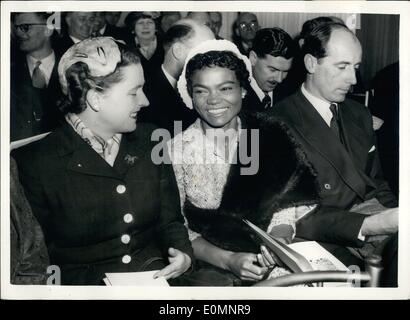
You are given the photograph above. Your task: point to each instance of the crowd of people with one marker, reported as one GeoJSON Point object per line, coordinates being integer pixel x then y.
{"type": "Point", "coordinates": [91, 197]}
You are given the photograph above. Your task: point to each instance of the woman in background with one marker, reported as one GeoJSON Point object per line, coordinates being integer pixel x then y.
{"type": "Point", "coordinates": [144, 41]}
{"type": "Point", "coordinates": [216, 189]}
{"type": "Point", "coordinates": [101, 202]}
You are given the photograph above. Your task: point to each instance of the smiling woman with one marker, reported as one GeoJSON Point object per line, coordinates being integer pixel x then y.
{"type": "Point", "coordinates": [216, 193]}
{"type": "Point", "coordinates": [91, 182]}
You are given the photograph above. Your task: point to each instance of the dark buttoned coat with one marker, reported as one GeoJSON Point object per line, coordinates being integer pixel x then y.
{"type": "Point", "coordinates": [97, 218]}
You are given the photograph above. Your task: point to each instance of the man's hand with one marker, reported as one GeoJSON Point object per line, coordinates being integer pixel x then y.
{"type": "Point", "coordinates": [179, 262]}
{"type": "Point", "coordinates": [385, 222]}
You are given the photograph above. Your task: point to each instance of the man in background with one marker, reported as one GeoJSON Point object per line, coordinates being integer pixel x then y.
{"type": "Point", "coordinates": [271, 57]}
{"type": "Point", "coordinates": [245, 28]}
{"type": "Point", "coordinates": [166, 105]}
{"type": "Point", "coordinates": [35, 88]}
{"type": "Point", "coordinates": [79, 27]}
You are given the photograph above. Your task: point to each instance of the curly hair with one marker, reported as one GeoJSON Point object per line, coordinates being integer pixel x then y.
{"type": "Point", "coordinates": [79, 81]}
{"type": "Point", "coordinates": [223, 59]}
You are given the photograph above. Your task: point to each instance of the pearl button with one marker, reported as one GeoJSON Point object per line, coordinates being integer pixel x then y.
{"type": "Point", "coordinates": [126, 259]}
{"type": "Point", "coordinates": [128, 218]}
{"type": "Point", "coordinates": [125, 238]}
{"type": "Point", "coordinates": [328, 186]}
{"type": "Point", "coordinates": [121, 188]}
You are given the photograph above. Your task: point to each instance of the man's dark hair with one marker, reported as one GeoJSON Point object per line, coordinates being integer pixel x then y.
{"type": "Point", "coordinates": [316, 41]}
{"type": "Point", "coordinates": [178, 32]}
{"type": "Point", "coordinates": [275, 42]}
{"type": "Point", "coordinates": [223, 59]}
{"type": "Point", "coordinates": [309, 25]}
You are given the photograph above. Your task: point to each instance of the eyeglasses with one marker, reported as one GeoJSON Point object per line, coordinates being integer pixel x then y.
{"type": "Point", "coordinates": [26, 27]}
{"type": "Point", "coordinates": [251, 25]}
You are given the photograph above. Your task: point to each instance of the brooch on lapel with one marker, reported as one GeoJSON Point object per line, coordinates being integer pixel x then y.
{"type": "Point", "coordinates": [130, 159]}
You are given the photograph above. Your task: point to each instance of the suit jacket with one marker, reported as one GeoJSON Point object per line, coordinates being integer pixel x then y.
{"type": "Point", "coordinates": [63, 43]}
{"type": "Point", "coordinates": [166, 105]}
{"type": "Point", "coordinates": [347, 174]}
{"type": "Point", "coordinates": [32, 110]}
{"type": "Point", "coordinates": [85, 206]}
{"type": "Point", "coordinates": [115, 32]}
{"type": "Point", "coordinates": [251, 102]}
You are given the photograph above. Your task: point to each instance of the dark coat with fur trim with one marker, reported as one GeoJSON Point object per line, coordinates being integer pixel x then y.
{"type": "Point", "coordinates": [285, 179]}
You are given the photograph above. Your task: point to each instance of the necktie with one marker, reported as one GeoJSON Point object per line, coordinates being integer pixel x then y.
{"type": "Point", "coordinates": [334, 123]}
{"type": "Point", "coordinates": [38, 79]}
{"type": "Point", "coordinates": [266, 102]}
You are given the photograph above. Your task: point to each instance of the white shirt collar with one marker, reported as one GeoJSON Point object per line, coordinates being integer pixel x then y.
{"type": "Point", "coordinates": [321, 106]}
{"type": "Point", "coordinates": [75, 40]}
{"type": "Point", "coordinates": [46, 66]}
{"type": "Point", "coordinates": [259, 92]}
{"type": "Point", "coordinates": [171, 79]}
{"type": "Point", "coordinates": [102, 30]}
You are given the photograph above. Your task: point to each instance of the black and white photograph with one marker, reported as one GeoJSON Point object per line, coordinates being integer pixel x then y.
{"type": "Point", "coordinates": [185, 150]}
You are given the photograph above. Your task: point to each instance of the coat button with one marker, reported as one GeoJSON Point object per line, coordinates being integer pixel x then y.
{"type": "Point", "coordinates": [328, 186]}
{"type": "Point", "coordinates": [121, 189]}
{"type": "Point", "coordinates": [125, 238]}
{"type": "Point", "coordinates": [128, 218]}
{"type": "Point", "coordinates": [126, 259]}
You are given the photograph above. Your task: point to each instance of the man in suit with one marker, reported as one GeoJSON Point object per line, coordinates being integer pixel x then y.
{"type": "Point", "coordinates": [35, 89]}
{"type": "Point", "coordinates": [245, 28]}
{"type": "Point", "coordinates": [337, 136]}
{"type": "Point", "coordinates": [79, 27]}
{"type": "Point", "coordinates": [166, 105]}
{"type": "Point", "coordinates": [271, 57]}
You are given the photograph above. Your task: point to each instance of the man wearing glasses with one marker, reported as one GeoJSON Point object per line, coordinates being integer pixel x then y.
{"type": "Point", "coordinates": [34, 83]}
{"type": "Point", "coordinates": [246, 26]}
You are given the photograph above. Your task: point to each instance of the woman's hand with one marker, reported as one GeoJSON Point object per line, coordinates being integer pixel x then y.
{"type": "Point", "coordinates": [242, 265]}
{"type": "Point", "coordinates": [267, 258]}
{"type": "Point", "coordinates": [179, 262]}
